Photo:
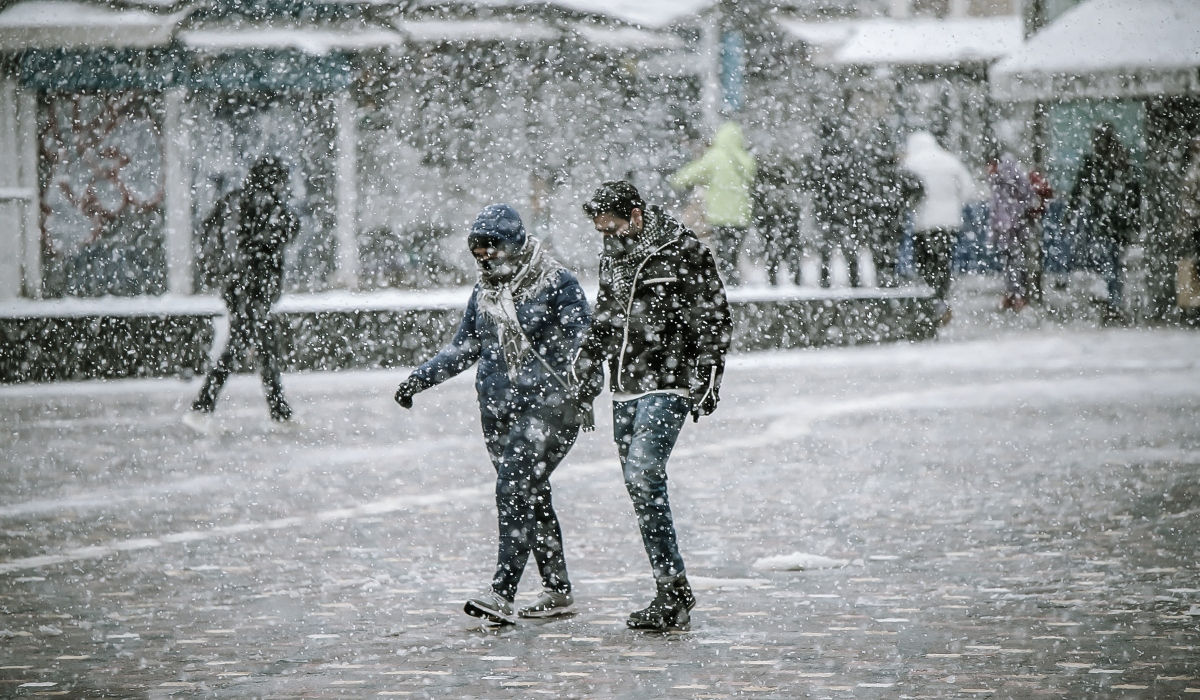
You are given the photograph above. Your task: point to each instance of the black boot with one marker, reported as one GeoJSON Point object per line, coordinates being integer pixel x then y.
{"type": "Point", "coordinates": [671, 607]}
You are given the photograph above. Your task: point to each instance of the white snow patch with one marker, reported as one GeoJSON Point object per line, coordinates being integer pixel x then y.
{"type": "Point", "coordinates": [704, 583]}
{"type": "Point", "coordinates": [886, 41]}
{"type": "Point", "coordinates": [56, 24]}
{"type": "Point", "coordinates": [435, 30]}
{"type": "Point", "coordinates": [628, 38]}
{"type": "Point", "coordinates": [798, 561]}
{"type": "Point", "coordinates": [316, 42]}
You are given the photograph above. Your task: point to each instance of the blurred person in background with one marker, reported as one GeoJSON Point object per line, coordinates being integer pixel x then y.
{"type": "Point", "coordinates": [777, 215]}
{"type": "Point", "coordinates": [836, 184]}
{"type": "Point", "coordinates": [892, 191]}
{"type": "Point", "coordinates": [727, 172]}
{"type": "Point", "coordinates": [523, 324]}
{"type": "Point", "coordinates": [254, 280]}
{"type": "Point", "coordinates": [1105, 207]}
{"type": "Point", "coordinates": [1187, 229]}
{"type": "Point", "coordinates": [947, 187]}
{"type": "Point", "coordinates": [1012, 201]}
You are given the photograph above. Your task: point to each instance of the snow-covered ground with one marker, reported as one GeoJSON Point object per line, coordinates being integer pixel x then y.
{"type": "Point", "coordinates": [1011, 508]}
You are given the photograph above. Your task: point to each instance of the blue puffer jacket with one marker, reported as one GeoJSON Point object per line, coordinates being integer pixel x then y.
{"type": "Point", "coordinates": [554, 319]}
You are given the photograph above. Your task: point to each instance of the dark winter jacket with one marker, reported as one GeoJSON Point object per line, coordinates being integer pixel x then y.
{"type": "Point", "coordinates": [554, 318]}
{"type": "Point", "coordinates": [1107, 195]}
{"type": "Point", "coordinates": [777, 208]}
{"type": "Point", "coordinates": [670, 332]}
{"type": "Point", "coordinates": [265, 226]}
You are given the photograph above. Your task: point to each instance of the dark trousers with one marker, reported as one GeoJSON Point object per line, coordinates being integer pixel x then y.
{"type": "Point", "coordinates": [833, 239]}
{"type": "Point", "coordinates": [727, 240]}
{"type": "Point", "coordinates": [251, 327]}
{"type": "Point", "coordinates": [645, 430]}
{"type": "Point", "coordinates": [932, 255]}
{"type": "Point", "coordinates": [525, 448]}
{"type": "Point", "coordinates": [885, 253]}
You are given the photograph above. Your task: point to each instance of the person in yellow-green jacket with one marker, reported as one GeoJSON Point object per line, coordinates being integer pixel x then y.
{"type": "Point", "coordinates": [727, 172]}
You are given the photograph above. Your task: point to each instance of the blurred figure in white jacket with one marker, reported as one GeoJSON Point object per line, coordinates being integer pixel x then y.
{"type": "Point", "coordinates": [948, 187]}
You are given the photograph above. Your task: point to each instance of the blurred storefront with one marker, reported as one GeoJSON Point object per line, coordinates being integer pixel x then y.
{"type": "Point", "coordinates": [127, 125]}
{"type": "Point", "coordinates": [1134, 64]}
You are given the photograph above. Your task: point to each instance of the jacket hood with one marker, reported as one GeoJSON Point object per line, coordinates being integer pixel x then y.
{"type": "Point", "coordinates": [729, 136]}
{"type": "Point", "coordinates": [498, 225]}
{"type": "Point", "coordinates": [921, 142]}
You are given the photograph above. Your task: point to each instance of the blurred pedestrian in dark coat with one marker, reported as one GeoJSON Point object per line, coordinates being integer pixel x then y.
{"type": "Point", "coordinates": [266, 224]}
{"type": "Point", "coordinates": [1105, 206]}
{"type": "Point", "coordinates": [777, 215]}
{"type": "Point", "coordinates": [891, 192]}
{"type": "Point", "coordinates": [836, 183]}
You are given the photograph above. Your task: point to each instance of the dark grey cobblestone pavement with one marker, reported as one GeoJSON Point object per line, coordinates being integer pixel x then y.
{"type": "Point", "coordinates": [1017, 516]}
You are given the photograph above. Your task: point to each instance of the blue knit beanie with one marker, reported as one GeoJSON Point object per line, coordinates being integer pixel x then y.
{"type": "Point", "coordinates": [497, 226]}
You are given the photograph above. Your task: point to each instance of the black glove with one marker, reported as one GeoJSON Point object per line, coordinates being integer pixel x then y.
{"type": "Point", "coordinates": [705, 404]}
{"type": "Point", "coordinates": [585, 417]}
{"type": "Point", "coordinates": [404, 394]}
{"type": "Point", "coordinates": [705, 396]}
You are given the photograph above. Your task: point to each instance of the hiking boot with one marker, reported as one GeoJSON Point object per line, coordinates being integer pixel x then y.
{"type": "Point", "coordinates": [491, 606]}
{"type": "Point", "coordinates": [549, 604]}
{"type": "Point", "coordinates": [671, 608]}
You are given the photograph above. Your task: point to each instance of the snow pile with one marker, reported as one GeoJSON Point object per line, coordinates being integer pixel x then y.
{"type": "Point", "coordinates": [798, 561]}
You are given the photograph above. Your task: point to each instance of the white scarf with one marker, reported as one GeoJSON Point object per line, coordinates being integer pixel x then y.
{"type": "Point", "coordinates": [498, 301]}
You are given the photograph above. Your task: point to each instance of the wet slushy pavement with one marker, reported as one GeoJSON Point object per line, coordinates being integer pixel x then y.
{"type": "Point", "coordinates": [1017, 516]}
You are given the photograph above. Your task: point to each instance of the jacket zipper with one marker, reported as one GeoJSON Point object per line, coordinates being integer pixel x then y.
{"type": "Point", "coordinates": [628, 309]}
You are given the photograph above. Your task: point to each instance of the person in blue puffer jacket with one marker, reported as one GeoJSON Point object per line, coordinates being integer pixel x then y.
{"type": "Point", "coordinates": [523, 324]}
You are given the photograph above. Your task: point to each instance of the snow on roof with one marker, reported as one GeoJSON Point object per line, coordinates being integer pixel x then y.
{"type": "Point", "coordinates": [432, 30]}
{"type": "Point", "coordinates": [628, 38]}
{"type": "Point", "coordinates": [652, 14]}
{"type": "Point", "coordinates": [317, 42]}
{"type": "Point", "coordinates": [910, 41]}
{"type": "Point", "coordinates": [47, 24]}
{"type": "Point", "coordinates": [1111, 35]}
{"type": "Point", "coordinates": [1108, 49]}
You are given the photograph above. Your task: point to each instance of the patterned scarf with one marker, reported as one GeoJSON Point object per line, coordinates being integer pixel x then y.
{"type": "Point", "coordinates": [657, 230]}
{"type": "Point", "coordinates": [498, 300]}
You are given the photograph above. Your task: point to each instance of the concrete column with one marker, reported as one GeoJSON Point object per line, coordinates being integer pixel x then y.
{"type": "Point", "coordinates": [899, 8]}
{"type": "Point", "coordinates": [710, 59]}
{"type": "Point", "coordinates": [11, 195]}
{"type": "Point", "coordinates": [27, 143]}
{"type": "Point", "coordinates": [177, 200]}
{"type": "Point", "coordinates": [346, 191]}
{"type": "Point", "coordinates": [959, 8]}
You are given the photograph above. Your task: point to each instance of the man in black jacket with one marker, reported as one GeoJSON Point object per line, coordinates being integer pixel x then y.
{"type": "Point", "coordinates": [265, 226]}
{"type": "Point", "coordinates": [662, 326]}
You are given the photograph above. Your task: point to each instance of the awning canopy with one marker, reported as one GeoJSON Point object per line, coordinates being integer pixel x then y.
{"type": "Point", "coordinates": [58, 24]}
{"type": "Point", "coordinates": [908, 42]}
{"type": "Point", "coordinates": [1106, 49]}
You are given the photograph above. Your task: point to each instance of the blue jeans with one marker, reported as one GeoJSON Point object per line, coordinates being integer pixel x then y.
{"type": "Point", "coordinates": [645, 430]}
{"type": "Point", "coordinates": [525, 448]}
{"type": "Point", "coordinates": [1108, 254]}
